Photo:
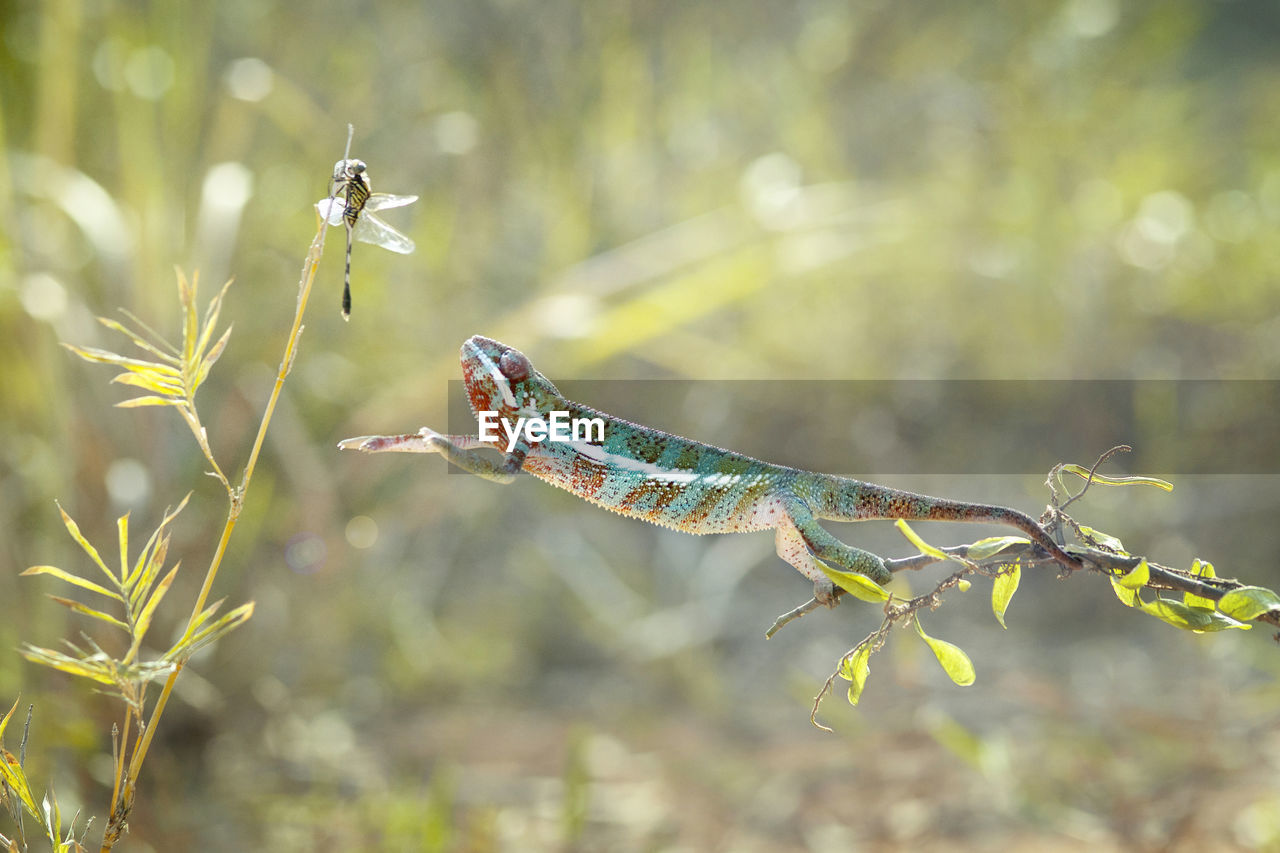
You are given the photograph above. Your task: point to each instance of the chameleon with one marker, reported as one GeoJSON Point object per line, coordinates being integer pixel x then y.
{"type": "Point", "coordinates": [676, 482]}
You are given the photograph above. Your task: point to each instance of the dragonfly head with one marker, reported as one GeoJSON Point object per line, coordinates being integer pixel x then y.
{"type": "Point", "coordinates": [348, 170]}
{"type": "Point", "coordinates": [500, 379]}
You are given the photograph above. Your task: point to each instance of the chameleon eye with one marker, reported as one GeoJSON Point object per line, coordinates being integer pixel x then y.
{"type": "Point", "coordinates": [514, 365]}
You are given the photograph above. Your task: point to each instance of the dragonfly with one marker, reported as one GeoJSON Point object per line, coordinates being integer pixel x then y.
{"type": "Point", "coordinates": [352, 203]}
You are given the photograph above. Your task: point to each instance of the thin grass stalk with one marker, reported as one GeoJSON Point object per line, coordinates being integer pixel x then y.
{"type": "Point", "coordinates": [123, 798]}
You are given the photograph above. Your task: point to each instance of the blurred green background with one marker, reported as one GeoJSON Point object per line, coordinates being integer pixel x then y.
{"type": "Point", "coordinates": [659, 190]}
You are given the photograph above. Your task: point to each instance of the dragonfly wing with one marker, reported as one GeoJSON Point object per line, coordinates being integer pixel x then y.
{"type": "Point", "coordinates": [371, 229]}
{"type": "Point", "coordinates": [331, 209]}
{"type": "Point", "coordinates": [381, 201]}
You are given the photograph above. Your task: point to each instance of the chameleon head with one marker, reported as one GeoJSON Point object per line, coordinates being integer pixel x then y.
{"type": "Point", "coordinates": [500, 379]}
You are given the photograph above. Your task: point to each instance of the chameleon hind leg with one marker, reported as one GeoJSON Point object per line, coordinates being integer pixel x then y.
{"type": "Point", "coordinates": [802, 542]}
{"type": "Point", "coordinates": [460, 450]}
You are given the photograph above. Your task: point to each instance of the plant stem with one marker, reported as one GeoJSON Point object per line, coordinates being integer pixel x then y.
{"type": "Point", "coordinates": [122, 799]}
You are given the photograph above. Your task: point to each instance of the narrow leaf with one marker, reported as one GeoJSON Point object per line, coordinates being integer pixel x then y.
{"type": "Point", "coordinates": [1083, 473]}
{"type": "Point", "coordinates": [229, 621]}
{"type": "Point", "coordinates": [206, 614]}
{"type": "Point", "coordinates": [855, 669]}
{"type": "Point", "coordinates": [207, 363]}
{"type": "Point", "coordinates": [1248, 602]}
{"type": "Point", "coordinates": [859, 586]}
{"type": "Point", "coordinates": [144, 618]}
{"type": "Point", "coordinates": [209, 323]}
{"type": "Point", "coordinates": [162, 385]}
{"type": "Point", "coordinates": [102, 356]}
{"type": "Point", "coordinates": [74, 530]}
{"type": "Point", "coordinates": [12, 772]}
{"type": "Point", "coordinates": [984, 548]}
{"type": "Point", "coordinates": [76, 580]}
{"type": "Point", "coordinates": [1002, 590]}
{"type": "Point", "coordinates": [149, 401]}
{"type": "Point", "coordinates": [89, 611]}
{"type": "Point", "coordinates": [190, 318]}
{"type": "Point", "coordinates": [91, 669]}
{"type": "Point", "coordinates": [914, 539]}
{"type": "Point", "coordinates": [143, 558]}
{"type": "Point", "coordinates": [122, 528]}
{"type": "Point", "coordinates": [955, 663]}
{"type": "Point", "coordinates": [138, 340]}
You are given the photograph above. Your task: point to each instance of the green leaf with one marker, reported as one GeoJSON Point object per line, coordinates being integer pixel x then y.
{"type": "Point", "coordinates": [954, 661]}
{"type": "Point", "coordinates": [859, 586]}
{"type": "Point", "coordinates": [1128, 597]}
{"type": "Point", "coordinates": [1248, 602]}
{"type": "Point", "coordinates": [76, 580]}
{"type": "Point", "coordinates": [1195, 619]}
{"type": "Point", "coordinates": [89, 611]}
{"type": "Point", "coordinates": [1103, 540]}
{"type": "Point", "coordinates": [1099, 479]}
{"type": "Point", "coordinates": [1202, 569]}
{"type": "Point", "coordinates": [855, 668]}
{"type": "Point", "coordinates": [1002, 590]}
{"type": "Point", "coordinates": [921, 545]}
{"type": "Point", "coordinates": [1137, 577]}
{"type": "Point", "coordinates": [984, 548]}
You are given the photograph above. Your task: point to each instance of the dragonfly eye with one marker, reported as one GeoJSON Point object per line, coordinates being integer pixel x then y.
{"type": "Point", "coordinates": [355, 167]}
{"type": "Point", "coordinates": [514, 365]}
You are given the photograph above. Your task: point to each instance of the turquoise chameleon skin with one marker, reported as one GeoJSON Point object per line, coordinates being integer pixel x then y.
{"type": "Point", "coordinates": [686, 485]}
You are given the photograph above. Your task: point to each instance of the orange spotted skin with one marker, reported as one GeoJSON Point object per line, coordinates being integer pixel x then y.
{"type": "Point", "coordinates": [686, 485]}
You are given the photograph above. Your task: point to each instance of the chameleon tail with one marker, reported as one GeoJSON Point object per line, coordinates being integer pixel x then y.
{"type": "Point", "coordinates": [869, 501]}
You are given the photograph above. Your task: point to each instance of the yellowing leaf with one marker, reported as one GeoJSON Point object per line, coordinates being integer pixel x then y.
{"type": "Point", "coordinates": [144, 618]}
{"type": "Point", "coordinates": [859, 586]}
{"type": "Point", "coordinates": [984, 548]}
{"type": "Point", "coordinates": [1002, 590]}
{"type": "Point", "coordinates": [955, 663]}
{"type": "Point", "coordinates": [855, 669]}
{"type": "Point", "coordinates": [1103, 540]}
{"type": "Point", "coordinates": [1137, 578]}
{"type": "Point", "coordinates": [75, 580]}
{"type": "Point", "coordinates": [74, 530]}
{"type": "Point", "coordinates": [1248, 602]}
{"type": "Point", "coordinates": [135, 402]}
{"type": "Point", "coordinates": [921, 545]}
{"type": "Point", "coordinates": [89, 611]}
{"type": "Point", "coordinates": [1200, 569]}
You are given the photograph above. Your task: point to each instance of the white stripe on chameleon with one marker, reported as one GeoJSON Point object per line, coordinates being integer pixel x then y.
{"type": "Point", "coordinates": [474, 352]}
{"type": "Point", "coordinates": [648, 470]}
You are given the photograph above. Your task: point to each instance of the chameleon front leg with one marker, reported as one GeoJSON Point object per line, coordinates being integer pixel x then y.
{"type": "Point", "coordinates": [801, 541]}
{"type": "Point", "coordinates": [460, 450]}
